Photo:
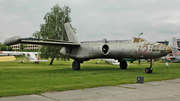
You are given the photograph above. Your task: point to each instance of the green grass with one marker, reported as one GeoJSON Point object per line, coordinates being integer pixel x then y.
{"type": "Point", "coordinates": [30, 78]}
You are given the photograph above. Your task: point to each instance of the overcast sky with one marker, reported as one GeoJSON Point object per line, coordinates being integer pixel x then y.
{"type": "Point", "coordinates": [96, 19]}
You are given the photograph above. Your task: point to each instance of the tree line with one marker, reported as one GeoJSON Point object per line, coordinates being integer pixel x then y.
{"type": "Point", "coordinates": [3, 47]}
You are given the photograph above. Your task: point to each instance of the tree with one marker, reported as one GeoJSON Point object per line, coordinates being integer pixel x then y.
{"type": "Point", "coordinates": [22, 46]}
{"type": "Point", "coordinates": [9, 48]}
{"type": "Point", "coordinates": [53, 28]}
{"type": "Point", "coordinates": [37, 35]}
{"type": "Point", "coordinates": [0, 46]}
{"type": "Point", "coordinates": [3, 47]}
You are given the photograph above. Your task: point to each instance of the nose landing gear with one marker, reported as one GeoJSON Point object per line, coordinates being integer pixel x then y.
{"type": "Point", "coordinates": [149, 69]}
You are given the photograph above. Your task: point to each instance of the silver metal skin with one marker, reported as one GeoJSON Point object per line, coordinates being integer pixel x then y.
{"type": "Point", "coordinates": [136, 48]}
{"type": "Point", "coordinates": [116, 50]}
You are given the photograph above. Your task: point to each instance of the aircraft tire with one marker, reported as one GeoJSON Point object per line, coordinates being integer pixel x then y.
{"type": "Point", "coordinates": [148, 70]}
{"type": "Point", "coordinates": [76, 65]}
{"type": "Point", "coordinates": [123, 64]}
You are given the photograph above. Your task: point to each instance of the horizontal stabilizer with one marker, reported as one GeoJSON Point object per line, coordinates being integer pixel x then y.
{"type": "Point", "coordinates": [169, 57]}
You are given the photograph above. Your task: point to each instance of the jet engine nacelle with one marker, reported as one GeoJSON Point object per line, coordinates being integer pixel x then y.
{"type": "Point", "coordinates": [86, 52]}
{"type": "Point", "coordinates": [105, 49]}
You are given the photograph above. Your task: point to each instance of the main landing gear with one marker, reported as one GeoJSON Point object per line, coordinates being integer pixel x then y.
{"type": "Point", "coordinates": [123, 64]}
{"type": "Point", "coordinates": [76, 65]}
{"type": "Point", "coordinates": [149, 69]}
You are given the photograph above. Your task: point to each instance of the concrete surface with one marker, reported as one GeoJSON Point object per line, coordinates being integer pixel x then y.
{"type": "Point", "coordinates": [152, 91]}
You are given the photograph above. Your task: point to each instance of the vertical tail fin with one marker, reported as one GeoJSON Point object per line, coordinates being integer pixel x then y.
{"type": "Point", "coordinates": [174, 46]}
{"type": "Point", "coordinates": [38, 58]}
{"type": "Point", "coordinates": [173, 42]}
{"type": "Point", "coordinates": [70, 33]}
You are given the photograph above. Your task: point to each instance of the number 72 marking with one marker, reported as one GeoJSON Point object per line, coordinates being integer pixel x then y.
{"type": "Point", "coordinates": [144, 53]}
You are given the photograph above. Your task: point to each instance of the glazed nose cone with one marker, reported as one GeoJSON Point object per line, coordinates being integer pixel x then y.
{"type": "Point", "coordinates": [168, 50]}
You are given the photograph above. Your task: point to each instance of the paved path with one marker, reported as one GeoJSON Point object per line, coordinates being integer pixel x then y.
{"type": "Point", "coordinates": [168, 90]}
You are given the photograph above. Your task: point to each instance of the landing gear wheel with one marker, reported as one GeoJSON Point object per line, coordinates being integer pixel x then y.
{"type": "Point", "coordinates": [76, 65]}
{"type": "Point", "coordinates": [21, 62]}
{"type": "Point", "coordinates": [123, 64]}
{"type": "Point", "coordinates": [148, 70]}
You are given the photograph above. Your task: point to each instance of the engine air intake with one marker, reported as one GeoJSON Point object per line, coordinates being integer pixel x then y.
{"type": "Point", "coordinates": [105, 49]}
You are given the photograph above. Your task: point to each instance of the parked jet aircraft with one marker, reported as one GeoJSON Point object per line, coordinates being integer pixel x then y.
{"type": "Point", "coordinates": [173, 57]}
{"type": "Point", "coordinates": [136, 48]}
{"type": "Point", "coordinates": [32, 56]}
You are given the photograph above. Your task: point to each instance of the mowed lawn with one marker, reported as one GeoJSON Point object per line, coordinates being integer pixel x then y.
{"type": "Point", "coordinates": [29, 78]}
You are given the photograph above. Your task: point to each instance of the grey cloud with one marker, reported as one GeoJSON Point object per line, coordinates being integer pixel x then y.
{"type": "Point", "coordinates": [96, 19]}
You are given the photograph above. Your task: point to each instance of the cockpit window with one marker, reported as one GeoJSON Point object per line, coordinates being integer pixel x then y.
{"type": "Point", "coordinates": [137, 40]}
{"type": "Point", "coordinates": [157, 47]}
{"type": "Point", "coordinates": [154, 48]}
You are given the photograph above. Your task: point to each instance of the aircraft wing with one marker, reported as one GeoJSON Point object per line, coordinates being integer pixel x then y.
{"type": "Point", "coordinates": [10, 53]}
{"type": "Point", "coordinates": [15, 53]}
{"type": "Point", "coordinates": [73, 41]}
{"type": "Point", "coordinates": [170, 57]}
{"type": "Point", "coordinates": [18, 39]}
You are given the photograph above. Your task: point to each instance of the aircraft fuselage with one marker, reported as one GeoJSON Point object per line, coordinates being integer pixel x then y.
{"type": "Point", "coordinates": [116, 50]}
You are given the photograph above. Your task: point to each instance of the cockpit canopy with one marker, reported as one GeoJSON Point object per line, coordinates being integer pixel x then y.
{"type": "Point", "coordinates": [137, 40]}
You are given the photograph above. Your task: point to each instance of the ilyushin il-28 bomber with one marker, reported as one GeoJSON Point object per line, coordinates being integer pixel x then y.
{"type": "Point", "coordinates": [136, 48]}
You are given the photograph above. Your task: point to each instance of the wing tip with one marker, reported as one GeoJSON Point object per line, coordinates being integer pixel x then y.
{"type": "Point", "coordinates": [12, 40]}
